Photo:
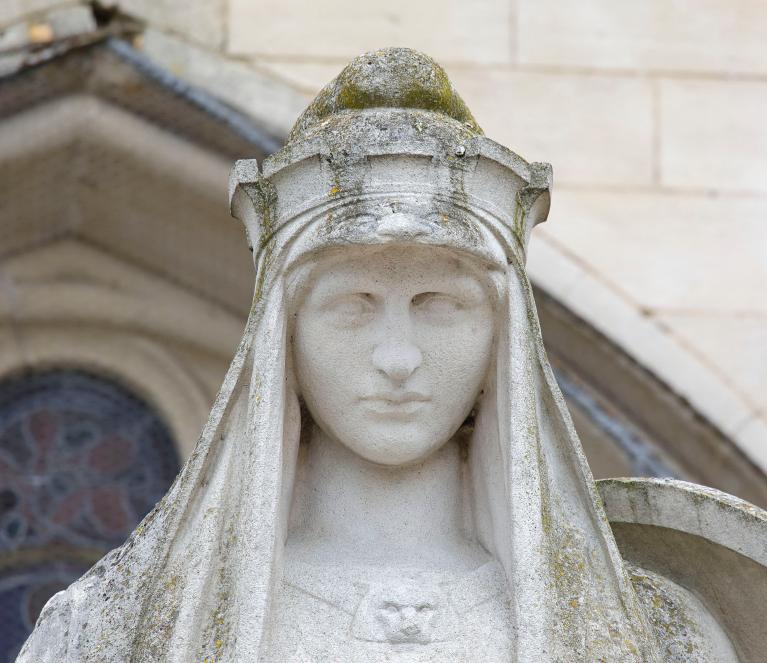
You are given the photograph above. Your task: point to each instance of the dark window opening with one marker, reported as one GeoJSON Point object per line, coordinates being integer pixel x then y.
{"type": "Point", "coordinates": [82, 461]}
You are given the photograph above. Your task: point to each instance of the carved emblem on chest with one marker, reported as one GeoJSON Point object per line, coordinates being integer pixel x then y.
{"type": "Point", "coordinates": [404, 613]}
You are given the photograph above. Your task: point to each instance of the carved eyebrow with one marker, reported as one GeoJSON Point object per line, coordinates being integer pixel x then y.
{"type": "Point", "coordinates": [465, 286]}
{"type": "Point", "coordinates": [322, 294]}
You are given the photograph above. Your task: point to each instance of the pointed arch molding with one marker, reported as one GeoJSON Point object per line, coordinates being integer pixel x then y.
{"type": "Point", "coordinates": [67, 304]}
{"type": "Point", "coordinates": [698, 390]}
{"type": "Point", "coordinates": [109, 223]}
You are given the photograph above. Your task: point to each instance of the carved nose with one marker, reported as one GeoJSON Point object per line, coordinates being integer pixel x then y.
{"type": "Point", "coordinates": [397, 359]}
{"type": "Point", "coordinates": [408, 612]}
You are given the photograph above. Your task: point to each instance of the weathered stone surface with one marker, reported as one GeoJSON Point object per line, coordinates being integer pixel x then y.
{"type": "Point", "coordinates": [390, 78]}
{"type": "Point", "coordinates": [699, 542]}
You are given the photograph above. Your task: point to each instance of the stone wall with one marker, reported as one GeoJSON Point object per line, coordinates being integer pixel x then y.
{"type": "Point", "coordinates": [651, 112]}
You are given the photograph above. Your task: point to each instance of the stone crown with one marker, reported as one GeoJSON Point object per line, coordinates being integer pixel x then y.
{"type": "Point", "coordinates": [390, 121]}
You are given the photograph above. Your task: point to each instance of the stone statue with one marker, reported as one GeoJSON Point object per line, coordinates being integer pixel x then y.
{"type": "Point", "coordinates": [389, 472]}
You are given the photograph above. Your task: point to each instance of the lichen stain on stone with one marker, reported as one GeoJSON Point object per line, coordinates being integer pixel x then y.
{"type": "Point", "coordinates": [158, 620]}
{"type": "Point", "coordinates": [388, 78]}
{"type": "Point", "coordinates": [216, 634]}
{"type": "Point", "coordinates": [265, 203]}
{"type": "Point", "coordinates": [581, 613]}
{"type": "Point", "coordinates": [170, 584]}
{"type": "Point", "coordinates": [519, 218]}
{"type": "Point", "coordinates": [678, 634]}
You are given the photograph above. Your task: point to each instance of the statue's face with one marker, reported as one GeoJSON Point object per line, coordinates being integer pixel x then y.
{"type": "Point", "coordinates": [391, 349]}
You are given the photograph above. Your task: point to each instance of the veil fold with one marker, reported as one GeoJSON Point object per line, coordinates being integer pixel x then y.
{"type": "Point", "coordinates": [573, 599]}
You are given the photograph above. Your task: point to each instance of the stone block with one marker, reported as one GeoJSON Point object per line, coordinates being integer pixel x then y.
{"type": "Point", "coordinates": [593, 129]}
{"type": "Point", "coordinates": [12, 11]}
{"type": "Point", "coordinates": [449, 31]}
{"type": "Point", "coordinates": [713, 134]}
{"type": "Point", "coordinates": [71, 21]}
{"type": "Point", "coordinates": [685, 35]}
{"type": "Point", "coordinates": [664, 251]}
{"type": "Point", "coordinates": [39, 28]}
{"type": "Point", "coordinates": [200, 20]}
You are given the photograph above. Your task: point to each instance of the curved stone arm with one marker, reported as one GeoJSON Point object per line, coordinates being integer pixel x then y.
{"type": "Point", "coordinates": [707, 547]}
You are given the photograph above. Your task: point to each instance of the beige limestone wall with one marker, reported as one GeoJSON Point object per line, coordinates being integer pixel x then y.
{"type": "Point", "coordinates": [651, 112]}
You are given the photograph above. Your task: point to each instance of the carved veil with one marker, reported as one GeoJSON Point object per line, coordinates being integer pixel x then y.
{"type": "Point", "coordinates": [194, 581]}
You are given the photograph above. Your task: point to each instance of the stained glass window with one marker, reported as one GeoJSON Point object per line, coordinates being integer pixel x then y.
{"type": "Point", "coordinates": [82, 460]}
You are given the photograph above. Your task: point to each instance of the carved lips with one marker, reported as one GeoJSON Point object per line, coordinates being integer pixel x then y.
{"type": "Point", "coordinates": [396, 404]}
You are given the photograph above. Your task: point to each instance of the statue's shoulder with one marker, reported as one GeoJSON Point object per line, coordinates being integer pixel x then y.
{"type": "Point", "coordinates": [698, 560]}
{"type": "Point", "coordinates": [69, 623]}
{"type": "Point", "coordinates": [49, 641]}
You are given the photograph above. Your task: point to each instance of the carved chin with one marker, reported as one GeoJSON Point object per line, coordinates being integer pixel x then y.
{"type": "Point", "coordinates": [397, 451]}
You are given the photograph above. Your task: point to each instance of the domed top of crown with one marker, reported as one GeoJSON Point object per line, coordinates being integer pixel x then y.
{"type": "Point", "coordinates": [388, 78]}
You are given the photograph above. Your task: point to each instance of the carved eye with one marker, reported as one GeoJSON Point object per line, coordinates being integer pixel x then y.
{"type": "Point", "coordinates": [351, 310]}
{"type": "Point", "coordinates": [391, 608]}
{"type": "Point", "coordinates": [424, 608]}
{"type": "Point", "coordinates": [437, 306]}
